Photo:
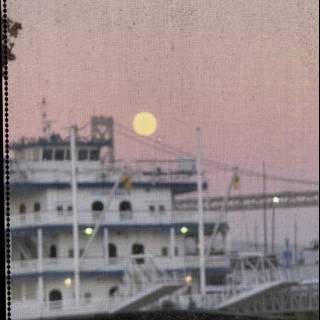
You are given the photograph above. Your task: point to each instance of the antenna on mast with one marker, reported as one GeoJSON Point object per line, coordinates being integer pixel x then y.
{"type": "Point", "coordinates": [46, 124]}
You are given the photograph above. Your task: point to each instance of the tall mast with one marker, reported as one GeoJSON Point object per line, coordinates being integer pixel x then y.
{"type": "Point", "coordinates": [200, 211]}
{"type": "Point", "coordinates": [273, 230]}
{"type": "Point", "coordinates": [256, 232]}
{"type": "Point", "coordinates": [75, 214]}
{"type": "Point", "coordinates": [265, 221]}
{"type": "Point", "coordinates": [295, 240]}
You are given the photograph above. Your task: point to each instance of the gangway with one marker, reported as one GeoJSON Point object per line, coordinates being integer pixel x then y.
{"type": "Point", "coordinates": [269, 291]}
{"type": "Point", "coordinates": [254, 276]}
{"type": "Point", "coordinates": [147, 297]}
{"type": "Point", "coordinates": [144, 283]}
{"type": "Point", "coordinates": [238, 300]}
{"type": "Point", "coordinates": [258, 287]}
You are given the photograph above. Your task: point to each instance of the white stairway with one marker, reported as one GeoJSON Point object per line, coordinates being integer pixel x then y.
{"type": "Point", "coordinates": [144, 283]}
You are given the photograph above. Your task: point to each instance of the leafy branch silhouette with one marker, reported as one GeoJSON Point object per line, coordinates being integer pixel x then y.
{"type": "Point", "coordinates": [7, 43]}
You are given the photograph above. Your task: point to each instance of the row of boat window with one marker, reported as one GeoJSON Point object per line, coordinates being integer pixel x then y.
{"type": "Point", "coordinates": [54, 254]}
{"type": "Point", "coordinates": [55, 295]}
{"type": "Point", "coordinates": [137, 248]}
{"type": "Point", "coordinates": [96, 206]}
{"type": "Point", "coordinates": [112, 251]}
{"type": "Point", "coordinates": [64, 154]}
{"type": "Point", "coordinates": [23, 208]}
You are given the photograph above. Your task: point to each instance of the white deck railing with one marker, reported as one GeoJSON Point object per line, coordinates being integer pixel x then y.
{"type": "Point", "coordinates": [35, 219]}
{"type": "Point", "coordinates": [114, 264]}
{"type": "Point", "coordinates": [93, 171]}
{"type": "Point", "coordinates": [31, 309]}
{"type": "Point", "coordinates": [293, 299]}
{"type": "Point", "coordinates": [140, 281]}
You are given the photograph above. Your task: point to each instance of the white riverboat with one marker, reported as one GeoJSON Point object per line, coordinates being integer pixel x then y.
{"type": "Point", "coordinates": [135, 243]}
{"type": "Point", "coordinates": [92, 235]}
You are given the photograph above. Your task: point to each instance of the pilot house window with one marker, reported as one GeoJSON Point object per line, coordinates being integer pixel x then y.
{"type": "Point", "coordinates": [83, 154]}
{"type": "Point", "coordinates": [47, 154]}
{"type": "Point", "coordinates": [94, 154]}
{"type": "Point", "coordinates": [59, 155]}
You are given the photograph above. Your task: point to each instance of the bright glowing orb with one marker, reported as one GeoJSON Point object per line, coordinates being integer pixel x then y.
{"type": "Point", "coordinates": [276, 200]}
{"type": "Point", "coordinates": [144, 123]}
{"type": "Point", "coordinates": [88, 231]}
{"type": "Point", "coordinates": [184, 230]}
{"type": "Point", "coordinates": [188, 279]}
{"type": "Point", "coordinates": [67, 282]}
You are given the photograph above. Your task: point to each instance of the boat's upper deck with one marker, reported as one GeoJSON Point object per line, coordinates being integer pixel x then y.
{"type": "Point", "coordinates": [45, 173]}
{"type": "Point", "coordinates": [46, 162]}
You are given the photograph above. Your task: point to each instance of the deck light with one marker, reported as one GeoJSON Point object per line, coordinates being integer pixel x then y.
{"type": "Point", "coordinates": [67, 282]}
{"type": "Point", "coordinates": [188, 279]}
{"type": "Point", "coordinates": [184, 230]}
{"type": "Point", "coordinates": [88, 231]}
{"type": "Point", "coordinates": [276, 200]}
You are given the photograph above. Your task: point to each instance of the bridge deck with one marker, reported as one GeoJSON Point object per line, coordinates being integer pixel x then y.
{"type": "Point", "coordinates": [257, 201]}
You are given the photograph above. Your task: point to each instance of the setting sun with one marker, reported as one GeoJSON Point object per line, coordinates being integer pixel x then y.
{"type": "Point", "coordinates": [144, 123]}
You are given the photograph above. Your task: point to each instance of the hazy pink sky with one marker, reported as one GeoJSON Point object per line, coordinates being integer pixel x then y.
{"type": "Point", "coordinates": [245, 70]}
